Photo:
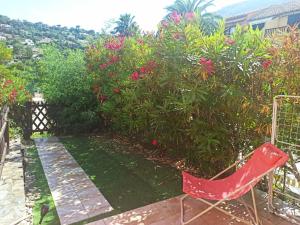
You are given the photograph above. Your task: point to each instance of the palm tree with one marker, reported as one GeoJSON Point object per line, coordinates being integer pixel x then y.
{"type": "Point", "coordinates": [126, 26]}
{"type": "Point", "coordinates": [185, 6]}
{"type": "Point", "coordinates": [208, 21]}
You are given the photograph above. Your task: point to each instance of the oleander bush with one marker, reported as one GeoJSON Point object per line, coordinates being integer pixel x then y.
{"type": "Point", "coordinates": [12, 88]}
{"type": "Point", "coordinates": [206, 97]}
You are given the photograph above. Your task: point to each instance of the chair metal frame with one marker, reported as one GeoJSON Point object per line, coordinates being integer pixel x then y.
{"type": "Point", "coordinates": [274, 140]}
{"type": "Point", "coordinates": [255, 218]}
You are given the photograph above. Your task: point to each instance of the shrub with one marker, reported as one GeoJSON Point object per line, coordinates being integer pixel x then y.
{"type": "Point", "coordinates": [207, 97]}
{"type": "Point", "coordinates": [64, 83]}
{"type": "Point", "coordinates": [12, 89]}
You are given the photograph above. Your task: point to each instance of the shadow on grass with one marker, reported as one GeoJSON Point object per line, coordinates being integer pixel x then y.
{"type": "Point", "coordinates": [127, 180]}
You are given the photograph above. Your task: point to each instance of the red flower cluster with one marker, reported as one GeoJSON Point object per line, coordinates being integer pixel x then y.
{"type": "Point", "coordinates": [266, 64]}
{"type": "Point", "coordinates": [189, 16]}
{"type": "Point", "coordinates": [103, 66]}
{"type": "Point", "coordinates": [7, 83]}
{"type": "Point", "coordinates": [154, 142]}
{"type": "Point", "coordinates": [207, 65]}
{"type": "Point", "coordinates": [135, 76]}
{"type": "Point", "coordinates": [164, 23]}
{"type": "Point", "coordinates": [102, 98]}
{"type": "Point", "coordinates": [115, 43]}
{"type": "Point", "coordinates": [230, 41]}
{"type": "Point", "coordinates": [140, 41]}
{"type": "Point", "coordinates": [117, 90]}
{"type": "Point", "coordinates": [149, 67]}
{"type": "Point", "coordinates": [13, 95]}
{"type": "Point", "coordinates": [175, 17]}
{"type": "Point", "coordinates": [113, 59]}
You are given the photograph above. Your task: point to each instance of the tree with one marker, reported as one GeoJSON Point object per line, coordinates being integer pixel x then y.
{"type": "Point", "coordinates": [64, 81]}
{"type": "Point", "coordinates": [208, 21]}
{"type": "Point", "coordinates": [185, 6]}
{"type": "Point", "coordinates": [126, 26]}
{"type": "Point", "coordinates": [5, 53]}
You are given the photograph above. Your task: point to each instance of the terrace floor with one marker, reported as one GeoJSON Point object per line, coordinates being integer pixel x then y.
{"type": "Point", "coordinates": [168, 212]}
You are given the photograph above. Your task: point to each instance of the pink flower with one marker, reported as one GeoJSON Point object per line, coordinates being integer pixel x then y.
{"type": "Point", "coordinates": [117, 90]}
{"type": "Point", "coordinates": [114, 59]}
{"type": "Point", "coordinates": [102, 98]}
{"type": "Point", "coordinates": [135, 76]}
{"type": "Point", "coordinates": [151, 64]}
{"type": "Point", "coordinates": [7, 82]}
{"type": "Point", "coordinates": [176, 35]}
{"type": "Point", "coordinates": [140, 41]}
{"type": "Point", "coordinates": [207, 65]}
{"type": "Point", "coordinates": [175, 17]}
{"type": "Point", "coordinates": [115, 43]}
{"type": "Point", "coordinates": [103, 66]}
{"type": "Point", "coordinates": [164, 23]}
{"type": "Point", "coordinates": [148, 67]}
{"type": "Point", "coordinates": [12, 95]}
{"type": "Point", "coordinates": [230, 41]}
{"type": "Point", "coordinates": [154, 142]}
{"type": "Point", "coordinates": [143, 69]}
{"type": "Point", "coordinates": [189, 16]}
{"type": "Point", "coordinates": [266, 64]}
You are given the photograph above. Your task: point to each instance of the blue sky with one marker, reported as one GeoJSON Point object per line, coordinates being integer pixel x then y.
{"type": "Point", "coordinates": [90, 14]}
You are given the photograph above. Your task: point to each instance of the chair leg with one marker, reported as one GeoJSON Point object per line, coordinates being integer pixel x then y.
{"type": "Point", "coordinates": [227, 213]}
{"type": "Point", "coordinates": [212, 206]}
{"type": "Point", "coordinates": [257, 221]}
{"type": "Point", "coordinates": [248, 207]}
{"type": "Point", "coordinates": [182, 209]}
{"type": "Point", "coordinates": [271, 207]}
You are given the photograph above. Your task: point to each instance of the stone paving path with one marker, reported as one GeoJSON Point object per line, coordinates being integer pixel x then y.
{"type": "Point", "coordinates": [12, 193]}
{"type": "Point", "coordinates": [76, 197]}
{"type": "Point", "coordinates": [167, 212]}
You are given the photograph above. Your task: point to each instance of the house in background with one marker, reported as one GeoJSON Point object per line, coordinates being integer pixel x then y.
{"type": "Point", "coordinates": [271, 19]}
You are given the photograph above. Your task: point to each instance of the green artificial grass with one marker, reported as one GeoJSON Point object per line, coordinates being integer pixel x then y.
{"type": "Point", "coordinates": [41, 191]}
{"type": "Point", "coordinates": [126, 179]}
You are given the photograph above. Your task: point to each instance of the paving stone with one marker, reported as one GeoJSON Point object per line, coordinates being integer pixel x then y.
{"type": "Point", "coordinates": [12, 193]}
{"type": "Point", "coordinates": [75, 196]}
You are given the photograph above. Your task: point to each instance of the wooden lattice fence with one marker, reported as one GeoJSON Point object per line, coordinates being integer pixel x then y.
{"type": "Point", "coordinates": [34, 117]}
{"type": "Point", "coordinates": [41, 122]}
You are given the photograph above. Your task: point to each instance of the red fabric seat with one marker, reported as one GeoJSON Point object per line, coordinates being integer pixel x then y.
{"type": "Point", "coordinates": [263, 159]}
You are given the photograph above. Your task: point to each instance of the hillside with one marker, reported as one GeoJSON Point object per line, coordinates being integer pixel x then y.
{"type": "Point", "coordinates": [26, 38]}
{"type": "Point", "coordinates": [247, 6]}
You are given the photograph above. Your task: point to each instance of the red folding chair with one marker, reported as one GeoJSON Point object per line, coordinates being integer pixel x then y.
{"type": "Point", "coordinates": [263, 160]}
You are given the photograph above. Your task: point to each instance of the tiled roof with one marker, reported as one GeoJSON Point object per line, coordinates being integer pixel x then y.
{"type": "Point", "coordinates": [275, 10]}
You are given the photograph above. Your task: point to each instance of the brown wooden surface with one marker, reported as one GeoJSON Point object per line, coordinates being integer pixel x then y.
{"type": "Point", "coordinates": [34, 117]}
{"type": "Point", "coordinates": [40, 119]}
{"type": "Point", "coordinates": [4, 136]}
{"type": "Point", "coordinates": [168, 213]}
